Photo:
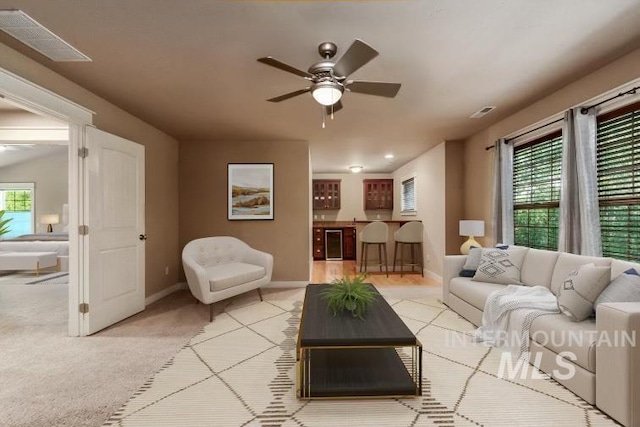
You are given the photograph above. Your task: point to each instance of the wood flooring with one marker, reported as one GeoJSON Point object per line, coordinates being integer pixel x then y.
{"type": "Point", "coordinates": [326, 271]}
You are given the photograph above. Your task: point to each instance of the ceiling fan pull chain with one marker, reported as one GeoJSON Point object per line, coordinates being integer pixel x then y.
{"type": "Point", "coordinates": [322, 108]}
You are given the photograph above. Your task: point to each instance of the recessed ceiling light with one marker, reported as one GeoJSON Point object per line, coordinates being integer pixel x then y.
{"type": "Point", "coordinates": [355, 168]}
{"type": "Point", "coordinates": [389, 156]}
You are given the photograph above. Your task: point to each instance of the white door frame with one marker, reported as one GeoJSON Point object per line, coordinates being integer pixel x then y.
{"type": "Point", "coordinates": [40, 100]}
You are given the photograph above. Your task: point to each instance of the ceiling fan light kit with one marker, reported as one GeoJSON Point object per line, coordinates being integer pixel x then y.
{"type": "Point", "coordinates": [329, 78]}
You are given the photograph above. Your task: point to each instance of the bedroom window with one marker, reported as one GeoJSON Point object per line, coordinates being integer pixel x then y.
{"type": "Point", "coordinates": [17, 200]}
{"type": "Point", "coordinates": [536, 192]}
{"type": "Point", "coordinates": [618, 159]}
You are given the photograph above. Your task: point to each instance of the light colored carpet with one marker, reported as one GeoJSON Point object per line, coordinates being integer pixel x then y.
{"type": "Point", "coordinates": [240, 371]}
{"type": "Point", "coordinates": [55, 278]}
{"type": "Point", "coordinates": [50, 379]}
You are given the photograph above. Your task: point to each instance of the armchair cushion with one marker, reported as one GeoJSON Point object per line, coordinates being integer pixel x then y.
{"type": "Point", "coordinates": [224, 276]}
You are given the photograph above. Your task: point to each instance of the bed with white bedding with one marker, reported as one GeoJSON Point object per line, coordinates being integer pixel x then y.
{"type": "Point", "coordinates": [46, 242]}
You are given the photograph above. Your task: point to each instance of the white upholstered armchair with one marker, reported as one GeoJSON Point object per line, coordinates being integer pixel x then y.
{"type": "Point", "coordinates": [222, 267]}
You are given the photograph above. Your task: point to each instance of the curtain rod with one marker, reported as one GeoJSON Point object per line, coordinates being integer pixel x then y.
{"type": "Point", "coordinates": [632, 91]}
{"type": "Point", "coordinates": [527, 132]}
{"type": "Point", "coordinates": [583, 110]}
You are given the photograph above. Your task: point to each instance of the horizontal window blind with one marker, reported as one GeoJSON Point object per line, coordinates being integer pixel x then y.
{"type": "Point", "coordinates": [536, 192]}
{"type": "Point", "coordinates": [618, 157]}
{"type": "Point", "coordinates": [409, 195]}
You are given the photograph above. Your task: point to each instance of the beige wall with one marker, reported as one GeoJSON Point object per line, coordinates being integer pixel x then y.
{"type": "Point", "coordinates": [454, 181]}
{"type": "Point", "coordinates": [429, 171]}
{"type": "Point", "coordinates": [51, 178]}
{"type": "Point", "coordinates": [161, 164]}
{"type": "Point", "coordinates": [351, 198]}
{"type": "Point", "coordinates": [203, 200]}
{"type": "Point", "coordinates": [479, 162]}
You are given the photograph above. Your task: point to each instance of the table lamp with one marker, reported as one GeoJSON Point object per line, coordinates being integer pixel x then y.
{"type": "Point", "coordinates": [470, 228]}
{"type": "Point", "coordinates": [49, 219]}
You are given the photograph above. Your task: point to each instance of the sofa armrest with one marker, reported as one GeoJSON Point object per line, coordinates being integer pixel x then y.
{"type": "Point", "coordinates": [618, 361]}
{"type": "Point", "coordinates": [451, 268]}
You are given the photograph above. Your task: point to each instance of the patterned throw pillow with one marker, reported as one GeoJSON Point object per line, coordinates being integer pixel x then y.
{"type": "Point", "coordinates": [580, 289]}
{"type": "Point", "coordinates": [624, 288]}
{"type": "Point", "coordinates": [500, 266]}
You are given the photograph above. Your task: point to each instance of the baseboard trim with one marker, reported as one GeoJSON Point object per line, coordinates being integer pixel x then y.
{"type": "Point", "coordinates": [163, 293]}
{"type": "Point", "coordinates": [433, 275]}
{"type": "Point", "coordinates": [286, 284]}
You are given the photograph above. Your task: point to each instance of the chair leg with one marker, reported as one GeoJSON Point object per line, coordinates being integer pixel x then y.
{"type": "Point", "coordinates": [260, 294]}
{"type": "Point", "coordinates": [386, 263]}
{"type": "Point", "coordinates": [401, 259]}
{"type": "Point", "coordinates": [210, 312]}
{"type": "Point", "coordinates": [413, 257]}
{"type": "Point", "coordinates": [380, 256]}
{"type": "Point", "coordinates": [395, 251]}
{"type": "Point", "coordinates": [421, 260]}
{"type": "Point", "coordinates": [362, 254]}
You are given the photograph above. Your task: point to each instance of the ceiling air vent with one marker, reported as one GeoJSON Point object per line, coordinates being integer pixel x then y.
{"type": "Point", "coordinates": [481, 112]}
{"type": "Point", "coordinates": [21, 26]}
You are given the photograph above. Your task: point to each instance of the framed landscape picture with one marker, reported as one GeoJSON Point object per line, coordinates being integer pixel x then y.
{"type": "Point", "coordinates": [250, 191]}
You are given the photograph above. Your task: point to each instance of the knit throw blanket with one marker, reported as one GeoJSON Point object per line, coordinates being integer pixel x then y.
{"type": "Point", "coordinates": [509, 313]}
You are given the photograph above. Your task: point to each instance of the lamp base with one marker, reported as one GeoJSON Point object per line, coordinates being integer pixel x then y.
{"type": "Point", "coordinates": [466, 246]}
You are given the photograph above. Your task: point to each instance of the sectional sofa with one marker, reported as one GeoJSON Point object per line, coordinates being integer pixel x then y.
{"type": "Point", "coordinates": [607, 373]}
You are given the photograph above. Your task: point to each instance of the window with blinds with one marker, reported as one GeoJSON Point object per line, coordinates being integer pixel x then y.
{"type": "Point", "coordinates": [618, 157]}
{"type": "Point", "coordinates": [409, 196]}
{"type": "Point", "coordinates": [536, 192]}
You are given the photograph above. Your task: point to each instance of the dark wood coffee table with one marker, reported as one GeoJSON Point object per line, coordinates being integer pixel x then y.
{"type": "Point", "coordinates": [343, 356]}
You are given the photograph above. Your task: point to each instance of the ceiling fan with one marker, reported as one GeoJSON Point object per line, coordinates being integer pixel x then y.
{"type": "Point", "coordinates": [329, 79]}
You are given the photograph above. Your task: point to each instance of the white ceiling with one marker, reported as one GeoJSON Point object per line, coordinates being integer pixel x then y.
{"type": "Point", "coordinates": [190, 68]}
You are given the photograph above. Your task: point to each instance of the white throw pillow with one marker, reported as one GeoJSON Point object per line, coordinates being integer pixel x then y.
{"type": "Point", "coordinates": [500, 266]}
{"type": "Point", "coordinates": [580, 289]}
{"type": "Point", "coordinates": [624, 288]}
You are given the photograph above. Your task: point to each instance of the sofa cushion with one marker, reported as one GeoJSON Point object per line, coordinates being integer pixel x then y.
{"type": "Point", "coordinates": [537, 267]}
{"type": "Point", "coordinates": [500, 266]}
{"type": "Point", "coordinates": [580, 289]}
{"type": "Point", "coordinates": [558, 333]}
{"type": "Point", "coordinates": [569, 262]}
{"type": "Point", "coordinates": [224, 276]}
{"type": "Point", "coordinates": [619, 266]}
{"type": "Point", "coordinates": [472, 292]}
{"type": "Point", "coordinates": [624, 288]}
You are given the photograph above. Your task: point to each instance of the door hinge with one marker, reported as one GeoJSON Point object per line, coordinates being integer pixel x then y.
{"type": "Point", "coordinates": [83, 230]}
{"type": "Point", "coordinates": [84, 308]}
{"type": "Point", "coordinates": [83, 152]}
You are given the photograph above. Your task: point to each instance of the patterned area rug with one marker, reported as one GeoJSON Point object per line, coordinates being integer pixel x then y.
{"type": "Point", "coordinates": [240, 371]}
{"type": "Point", "coordinates": [57, 278]}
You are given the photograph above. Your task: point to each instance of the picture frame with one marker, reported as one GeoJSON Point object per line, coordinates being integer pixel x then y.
{"type": "Point", "coordinates": [250, 191]}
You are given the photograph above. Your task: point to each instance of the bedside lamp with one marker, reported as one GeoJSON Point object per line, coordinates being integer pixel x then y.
{"type": "Point", "coordinates": [470, 228]}
{"type": "Point", "coordinates": [49, 219]}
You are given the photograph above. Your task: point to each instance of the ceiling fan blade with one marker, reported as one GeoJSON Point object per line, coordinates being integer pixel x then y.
{"type": "Point", "coordinates": [289, 95]}
{"type": "Point", "coordinates": [389, 90]}
{"type": "Point", "coordinates": [358, 54]}
{"type": "Point", "coordinates": [336, 107]}
{"type": "Point", "coordinates": [284, 67]}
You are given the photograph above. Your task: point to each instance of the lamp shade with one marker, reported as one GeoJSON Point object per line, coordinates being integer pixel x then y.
{"type": "Point", "coordinates": [49, 219]}
{"type": "Point", "coordinates": [471, 228]}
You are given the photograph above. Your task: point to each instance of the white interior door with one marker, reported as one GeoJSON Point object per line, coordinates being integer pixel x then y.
{"type": "Point", "coordinates": [114, 251]}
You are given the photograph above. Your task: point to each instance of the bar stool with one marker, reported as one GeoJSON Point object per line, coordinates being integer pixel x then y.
{"type": "Point", "coordinates": [375, 233]}
{"type": "Point", "coordinates": [409, 234]}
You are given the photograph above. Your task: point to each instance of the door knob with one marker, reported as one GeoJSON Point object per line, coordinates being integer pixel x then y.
{"type": "Point", "coordinates": [142, 237]}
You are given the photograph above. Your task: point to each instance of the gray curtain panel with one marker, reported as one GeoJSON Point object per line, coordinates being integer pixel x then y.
{"type": "Point", "coordinates": [503, 193]}
{"type": "Point", "coordinates": [579, 231]}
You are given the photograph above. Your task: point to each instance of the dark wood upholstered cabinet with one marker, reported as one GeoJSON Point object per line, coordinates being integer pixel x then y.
{"type": "Point", "coordinates": [378, 194]}
{"type": "Point", "coordinates": [326, 194]}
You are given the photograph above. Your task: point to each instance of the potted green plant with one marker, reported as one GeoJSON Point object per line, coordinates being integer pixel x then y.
{"type": "Point", "coordinates": [4, 228]}
{"type": "Point", "coordinates": [349, 294]}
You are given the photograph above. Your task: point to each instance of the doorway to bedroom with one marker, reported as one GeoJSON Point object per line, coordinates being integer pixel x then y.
{"type": "Point", "coordinates": [34, 198]}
